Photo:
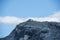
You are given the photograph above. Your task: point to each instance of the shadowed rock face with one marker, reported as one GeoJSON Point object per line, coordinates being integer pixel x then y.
{"type": "Point", "coordinates": [33, 30]}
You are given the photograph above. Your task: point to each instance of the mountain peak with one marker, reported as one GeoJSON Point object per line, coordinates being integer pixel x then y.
{"type": "Point", "coordinates": [33, 30]}
{"type": "Point", "coordinates": [29, 20]}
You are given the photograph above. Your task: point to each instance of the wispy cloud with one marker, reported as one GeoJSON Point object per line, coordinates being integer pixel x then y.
{"type": "Point", "coordinates": [15, 20]}
{"type": "Point", "coordinates": [11, 20]}
{"type": "Point", "coordinates": [55, 17]}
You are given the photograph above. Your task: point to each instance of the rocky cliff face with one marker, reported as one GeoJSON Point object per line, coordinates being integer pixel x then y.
{"type": "Point", "coordinates": [33, 30]}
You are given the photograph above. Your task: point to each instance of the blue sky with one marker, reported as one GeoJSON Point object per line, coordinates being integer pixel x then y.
{"type": "Point", "coordinates": [28, 8]}
{"type": "Point", "coordinates": [25, 9]}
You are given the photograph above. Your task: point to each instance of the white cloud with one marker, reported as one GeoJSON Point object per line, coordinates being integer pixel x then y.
{"type": "Point", "coordinates": [15, 20]}
{"type": "Point", "coordinates": [55, 17]}
{"type": "Point", "coordinates": [11, 20]}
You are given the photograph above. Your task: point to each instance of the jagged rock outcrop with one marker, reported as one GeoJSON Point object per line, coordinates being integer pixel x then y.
{"type": "Point", "coordinates": [33, 30]}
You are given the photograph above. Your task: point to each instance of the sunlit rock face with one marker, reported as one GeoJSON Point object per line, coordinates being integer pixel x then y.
{"type": "Point", "coordinates": [33, 30]}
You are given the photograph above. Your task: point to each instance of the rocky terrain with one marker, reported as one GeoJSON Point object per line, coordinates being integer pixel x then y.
{"type": "Point", "coordinates": [33, 30]}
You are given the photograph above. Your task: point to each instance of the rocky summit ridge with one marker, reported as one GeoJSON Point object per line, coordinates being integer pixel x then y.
{"type": "Point", "coordinates": [33, 30]}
